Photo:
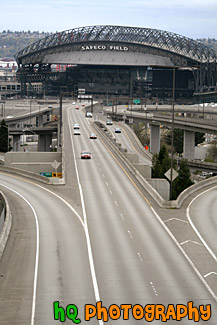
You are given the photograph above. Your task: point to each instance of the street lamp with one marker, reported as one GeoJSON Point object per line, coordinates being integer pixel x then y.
{"type": "Point", "coordinates": [172, 140]}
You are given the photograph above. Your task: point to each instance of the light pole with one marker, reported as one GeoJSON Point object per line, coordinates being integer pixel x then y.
{"type": "Point", "coordinates": [172, 140]}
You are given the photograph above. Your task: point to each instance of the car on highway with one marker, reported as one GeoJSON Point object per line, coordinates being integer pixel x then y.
{"type": "Point", "coordinates": [93, 136]}
{"type": "Point", "coordinates": [83, 105]}
{"type": "Point", "coordinates": [117, 130]}
{"type": "Point", "coordinates": [109, 122]}
{"type": "Point", "coordinates": [89, 114]}
{"type": "Point", "coordinates": [9, 116]}
{"type": "Point", "coordinates": [76, 126]}
{"type": "Point", "coordinates": [77, 132]}
{"type": "Point", "coordinates": [77, 107]}
{"type": "Point", "coordinates": [85, 154]}
{"type": "Point", "coordinates": [73, 103]}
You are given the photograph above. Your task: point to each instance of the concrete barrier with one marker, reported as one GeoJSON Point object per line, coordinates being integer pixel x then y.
{"type": "Point", "coordinates": [35, 162]}
{"type": "Point", "coordinates": [162, 186]}
{"type": "Point", "coordinates": [4, 234]}
{"type": "Point", "coordinates": [144, 170]}
{"type": "Point", "coordinates": [21, 172]}
{"type": "Point", "coordinates": [132, 157]}
{"type": "Point", "coordinates": [192, 189]}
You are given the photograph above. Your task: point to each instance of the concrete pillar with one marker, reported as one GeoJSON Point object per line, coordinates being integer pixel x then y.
{"type": "Point", "coordinates": [16, 142]}
{"type": "Point", "coordinates": [189, 144]}
{"type": "Point", "coordinates": [155, 138]}
{"type": "Point", "coordinates": [44, 142]}
{"type": "Point", "coordinates": [40, 120]}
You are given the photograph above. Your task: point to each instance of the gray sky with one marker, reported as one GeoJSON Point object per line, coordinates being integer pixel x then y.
{"type": "Point", "coordinates": [191, 18]}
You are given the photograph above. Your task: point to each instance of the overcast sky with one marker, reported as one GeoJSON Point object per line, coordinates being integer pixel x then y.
{"type": "Point", "coordinates": [191, 18]}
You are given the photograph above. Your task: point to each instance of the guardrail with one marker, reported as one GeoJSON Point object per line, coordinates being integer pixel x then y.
{"type": "Point", "coordinates": [6, 225]}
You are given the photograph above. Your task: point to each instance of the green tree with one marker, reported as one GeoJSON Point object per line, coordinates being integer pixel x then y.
{"type": "Point", "coordinates": [183, 180]}
{"type": "Point", "coordinates": [178, 136]}
{"type": "Point", "coordinates": [161, 163]}
{"type": "Point", "coordinates": [156, 170]}
{"type": "Point", "coordinates": [3, 137]}
{"type": "Point", "coordinates": [199, 138]}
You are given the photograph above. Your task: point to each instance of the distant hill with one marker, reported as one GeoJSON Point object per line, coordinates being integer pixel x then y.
{"type": "Point", "coordinates": [13, 42]}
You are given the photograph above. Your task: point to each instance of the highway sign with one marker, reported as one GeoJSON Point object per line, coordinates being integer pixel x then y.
{"type": "Point", "coordinates": [136, 101]}
{"type": "Point", "coordinates": [168, 174]}
{"type": "Point", "coordinates": [46, 174]}
{"type": "Point", "coordinates": [55, 164]}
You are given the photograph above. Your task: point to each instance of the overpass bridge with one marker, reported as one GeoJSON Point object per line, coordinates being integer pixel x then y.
{"type": "Point", "coordinates": [155, 120]}
{"type": "Point", "coordinates": [45, 129]}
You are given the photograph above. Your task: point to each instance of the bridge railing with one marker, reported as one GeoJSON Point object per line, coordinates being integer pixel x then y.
{"type": "Point", "coordinates": [212, 121]}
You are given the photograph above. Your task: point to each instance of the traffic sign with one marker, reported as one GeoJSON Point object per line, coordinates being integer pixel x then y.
{"type": "Point", "coordinates": [55, 164]}
{"type": "Point", "coordinates": [46, 174]}
{"type": "Point", "coordinates": [136, 101]}
{"type": "Point", "coordinates": [168, 174]}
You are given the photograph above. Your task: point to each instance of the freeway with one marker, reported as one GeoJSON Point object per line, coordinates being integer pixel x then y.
{"type": "Point", "coordinates": [99, 239]}
{"type": "Point", "coordinates": [136, 262]}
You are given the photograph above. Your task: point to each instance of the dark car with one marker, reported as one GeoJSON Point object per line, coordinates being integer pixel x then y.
{"type": "Point", "coordinates": [117, 130]}
{"type": "Point", "coordinates": [85, 155]}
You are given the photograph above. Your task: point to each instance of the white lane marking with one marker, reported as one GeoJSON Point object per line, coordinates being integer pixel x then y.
{"type": "Point", "coordinates": [122, 217]}
{"type": "Point", "coordinates": [190, 241]}
{"type": "Point", "coordinates": [139, 255]}
{"type": "Point", "coordinates": [36, 255]}
{"type": "Point", "coordinates": [154, 289]}
{"type": "Point", "coordinates": [177, 219]}
{"type": "Point", "coordinates": [206, 275]}
{"type": "Point", "coordinates": [185, 254]}
{"type": "Point", "coordinates": [106, 183]}
{"type": "Point", "coordinates": [116, 203]}
{"type": "Point", "coordinates": [130, 234]}
{"type": "Point", "coordinates": [90, 254]}
{"type": "Point", "coordinates": [110, 192]}
{"type": "Point", "coordinates": [193, 226]}
{"type": "Point", "coordinates": [88, 122]}
{"type": "Point", "coordinates": [103, 175]}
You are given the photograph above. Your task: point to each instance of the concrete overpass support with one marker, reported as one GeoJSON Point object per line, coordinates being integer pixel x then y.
{"type": "Point", "coordinates": [40, 120]}
{"type": "Point", "coordinates": [44, 142]}
{"type": "Point", "coordinates": [16, 142]}
{"type": "Point", "coordinates": [189, 144]}
{"type": "Point", "coordinates": [155, 138]}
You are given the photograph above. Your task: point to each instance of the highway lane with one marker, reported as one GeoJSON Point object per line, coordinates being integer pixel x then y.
{"type": "Point", "coordinates": [135, 260]}
{"type": "Point", "coordinates": [202, 213]}
{"type": "Point", "coordinates": [127, 141]}
{"type": "Point", "coordinates": [63, 269]}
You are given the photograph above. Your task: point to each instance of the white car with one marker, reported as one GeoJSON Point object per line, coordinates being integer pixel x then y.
{"type": "Point", "coordinates": [89, 114]}
{"type": "Point", "coordinates": [76, 126]}
{"type": "Point", "coordinates": [77, 132]}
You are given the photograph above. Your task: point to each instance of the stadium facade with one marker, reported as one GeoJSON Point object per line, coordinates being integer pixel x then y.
{"type": "Point", "coordinates": [122, 61]}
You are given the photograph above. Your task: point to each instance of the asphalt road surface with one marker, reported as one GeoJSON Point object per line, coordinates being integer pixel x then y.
{"type": "Point", "coordinates": [99, 239]}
